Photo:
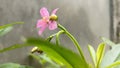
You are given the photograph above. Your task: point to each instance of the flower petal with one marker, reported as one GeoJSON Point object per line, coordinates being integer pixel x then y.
{"type": "Point", "coordinates": [44, 12]}
{"type": "Point", "coordinates": [42, 29]}
{"type": "Point", "coordinates": [41, 23]}
{"type": "Point", "coordinates": [52, 25]}
{"type": "Point", "coordinates": [54, 11]}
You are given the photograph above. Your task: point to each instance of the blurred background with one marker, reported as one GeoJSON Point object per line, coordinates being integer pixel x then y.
{"type": "Point", "coordinates": [87, 20]}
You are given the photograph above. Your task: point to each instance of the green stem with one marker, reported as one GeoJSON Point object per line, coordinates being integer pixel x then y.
{"type": "Point", "coordinates": [50, 37]}
{"type": "Point", "coordinates": [74, 41]}
{"type": "Point", "coordinates": [57, 37]}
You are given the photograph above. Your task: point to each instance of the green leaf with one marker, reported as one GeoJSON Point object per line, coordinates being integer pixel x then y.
{"type": "Point", "coordinates": [92, 54]}
{"type": "Point", "coordinates": [11, 24]}
{"type": "Point", "coordinates": [13, 65]}
{"type": "Point", "coordinates": [12, 47]}
{"type": "Point", "coordinates": [6, 28]}
{"type": "Point", "coordinates": [59, 54]}
{"type": "Point", "coordinates": [107, 41]}
{"type": "Point", "coordinates": [111, 56]}
{"type": "Point", "coordinates": [46, 58]}
{"type": "Point", "coordinates": [114, 65]}
{"type": "Point", "coordinates": [43, 59]}
{"type": "Point", "coordinates": [118, 58]}
{"type": "Point", "coordinates": [100, 53]}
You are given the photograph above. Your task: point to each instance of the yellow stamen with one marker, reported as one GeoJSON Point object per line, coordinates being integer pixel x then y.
{"type": "Point", "coordinates": [53, 17]}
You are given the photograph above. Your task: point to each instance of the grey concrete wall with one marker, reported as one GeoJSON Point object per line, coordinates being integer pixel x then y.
{"type": "Point", "coordinates": [87, 20]}
{"type": "Point", "coordinates": [116, 20]}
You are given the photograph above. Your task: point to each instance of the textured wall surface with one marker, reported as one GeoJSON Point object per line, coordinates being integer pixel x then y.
{"type": "Point", "coordinates": [116, 20]}
{"type": "Point", "coordinates": [87, 20]}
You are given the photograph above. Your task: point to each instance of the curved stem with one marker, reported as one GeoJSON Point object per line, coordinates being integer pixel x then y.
{"type": "Point", "coordinates": [57, 37]}
{"type": "Point", "coordinates": [50, 37]}
{"type": "Point", "coordinates": [74, 41]}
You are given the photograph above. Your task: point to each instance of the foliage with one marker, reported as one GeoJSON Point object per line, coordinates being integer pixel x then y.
{"type": "Point", "coordinates": [111, 58]}
{"type": "Point", "coordinates": [55, 55]}
{"type": "Point", "coordinates": [97, 58]}
{"type": "Point", "coordinates": [13, 65]}
{"type": "Point", "coordinates": [64, 57]}
{"type": "Point", "coordinates": [6, 28]}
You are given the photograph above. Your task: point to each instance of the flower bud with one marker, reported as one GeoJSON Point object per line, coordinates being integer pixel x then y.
{"type": "Point", "coordinates": [53, 17]}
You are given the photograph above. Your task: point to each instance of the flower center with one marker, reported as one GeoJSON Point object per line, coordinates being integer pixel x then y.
{"type": "Point", "coordinates": [46, 19]}
{"type": "Point", "coordinates": [53, 17]}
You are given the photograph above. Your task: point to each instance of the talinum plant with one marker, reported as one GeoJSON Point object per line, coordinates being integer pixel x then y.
{"type": "Point", "coordinates": [58, 55]}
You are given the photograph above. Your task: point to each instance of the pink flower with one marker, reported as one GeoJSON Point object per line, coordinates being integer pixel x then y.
{"type": "Point", "coordinates": [47, 20]}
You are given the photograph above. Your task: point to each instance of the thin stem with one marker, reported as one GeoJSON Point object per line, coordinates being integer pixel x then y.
{"type": "Point", "coordinates": [50, 37]}
{"type": "Point", "coordinates": [57, 37]}
{"type": "Point", "coordinates": [74, 41]}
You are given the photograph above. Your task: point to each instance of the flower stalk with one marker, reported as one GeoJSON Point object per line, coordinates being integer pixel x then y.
{"type": "Point", "coordinates": [74, 41]}
{"type": "Point", "coordinates": [57, 37]}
